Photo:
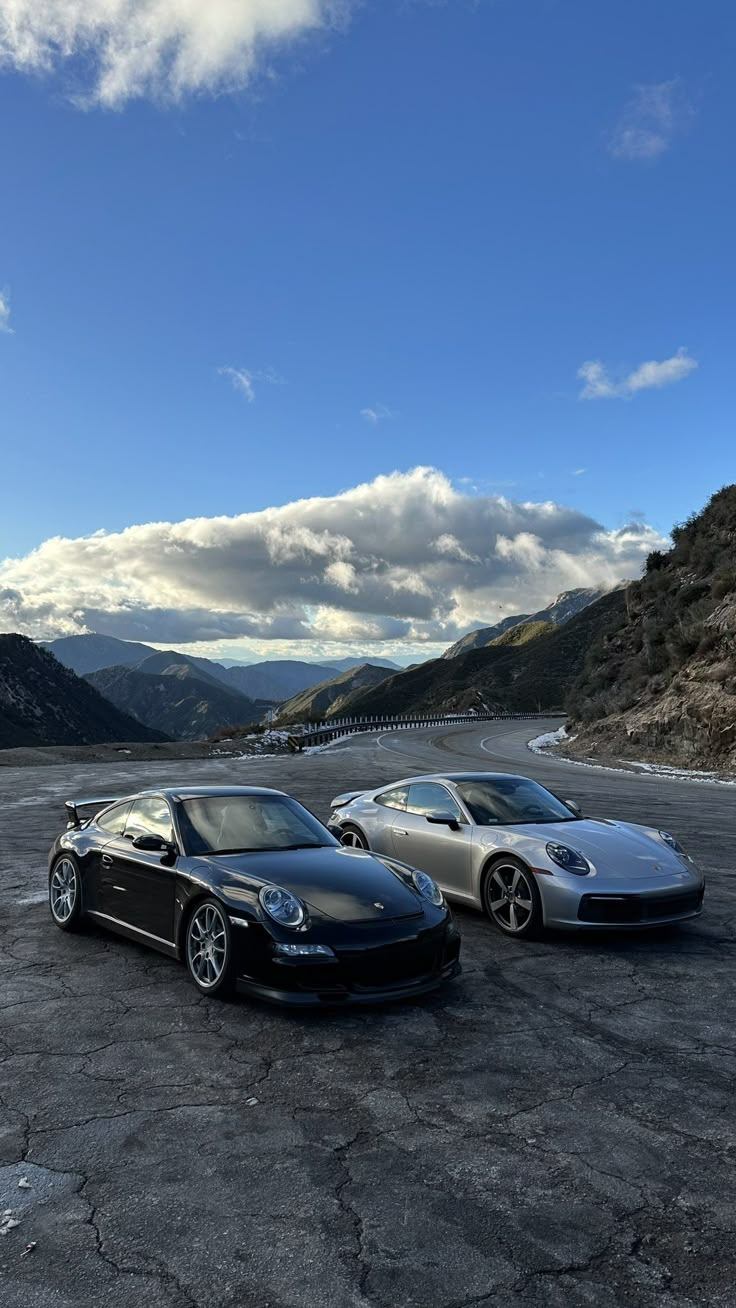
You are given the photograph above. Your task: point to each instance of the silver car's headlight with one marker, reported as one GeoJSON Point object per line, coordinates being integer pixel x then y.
{"type": "Point", "coordinates": [568, 858]}
{"type": "Point", "coordinates": [670, 840]}
{"type": "Point", "coordinates": [428, 888]}
{"type": "Point", "coordinates": [282, 906]}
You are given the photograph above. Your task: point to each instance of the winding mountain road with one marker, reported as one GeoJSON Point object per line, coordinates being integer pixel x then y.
{"type": "Point", "coordinates": [555, 1129]}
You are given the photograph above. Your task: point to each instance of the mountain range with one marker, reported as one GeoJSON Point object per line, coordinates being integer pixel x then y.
{"type": "Point", "coordinates": [535, 675]}
{"type": "Point", "coordinates": [44, 703]}
{"type": "Point", "coordinates": [176, 697]}
{"type": "Point", "coordinates": [562, 608]}
{"type": "Point", "coordinates": [332, 697]}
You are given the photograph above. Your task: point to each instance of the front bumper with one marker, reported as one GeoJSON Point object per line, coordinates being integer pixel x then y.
{"type": "Point", "coordinates": [393, 970]}
{"type": "Point", "coordinates": [338, 996]}
{"type": "Point", "coordinates": [599, 903]}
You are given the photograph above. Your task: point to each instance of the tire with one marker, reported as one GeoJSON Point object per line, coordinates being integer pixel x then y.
{"type": "Point", "coordinates": [353, 837]}
{"type": "Point", "coordinates": [65, 893]}
{"type": "Point", "coordinates": [208, 949]}
{"type": "Point", "coordinates": [519, 916]}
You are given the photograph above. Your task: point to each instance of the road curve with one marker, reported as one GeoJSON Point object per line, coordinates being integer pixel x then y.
{"type": "Point", "coordinates": [554, 1130]}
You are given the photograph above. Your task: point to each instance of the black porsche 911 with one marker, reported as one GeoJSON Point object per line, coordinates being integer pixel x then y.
{"type": "Point", "coordinates": [251, 891]}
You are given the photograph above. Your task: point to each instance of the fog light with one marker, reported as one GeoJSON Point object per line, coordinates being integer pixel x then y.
{"type": "Point", "coordinates": [305, 951]}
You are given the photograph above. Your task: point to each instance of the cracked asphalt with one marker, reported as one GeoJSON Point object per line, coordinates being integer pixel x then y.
{"type": "Point", "coordinates": [555, 1128]}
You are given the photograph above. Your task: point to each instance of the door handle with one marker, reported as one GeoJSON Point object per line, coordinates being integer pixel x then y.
{"type": "Point", "coordinates": [107, 860]}
{"type": "Point", "coordinates": [399, 831]}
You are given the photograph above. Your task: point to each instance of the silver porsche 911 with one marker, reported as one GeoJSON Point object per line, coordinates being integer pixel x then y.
{"type": "Point", "coordinates": [506, 845]}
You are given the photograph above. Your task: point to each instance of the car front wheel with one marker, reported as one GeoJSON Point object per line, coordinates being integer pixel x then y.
{"type": "Point", "coordinates": [511, 899]}
{"type": "Point", "coordinates": [209, 951]}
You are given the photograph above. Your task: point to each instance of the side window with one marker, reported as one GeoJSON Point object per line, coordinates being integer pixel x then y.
{"type": "Point", "coordinates": [113, 820]}
{"type": "Point", "coordinates": [149, 817]}
{"type": "Point", "coordinates": [393, 798]}
{"type": "Point", "coordinates": [427, 797]}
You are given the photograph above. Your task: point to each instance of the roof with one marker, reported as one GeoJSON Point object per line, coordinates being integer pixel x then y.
{"type": "Point", "coordinates": [202, 792]}
{"type": "Point", "coordinates": [455, 777]}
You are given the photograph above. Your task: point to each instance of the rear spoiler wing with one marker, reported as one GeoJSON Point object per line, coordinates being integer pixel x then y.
{"type": "Point", "coordinates": [341, 800]}
{"type": "Point", "coordinates": [73, 806]}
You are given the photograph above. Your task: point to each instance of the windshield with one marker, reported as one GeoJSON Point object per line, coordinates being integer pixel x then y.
{"type": "Point", "coordinates": [240, 824]}
{"type": "Point", "coordinates": [511, 801]}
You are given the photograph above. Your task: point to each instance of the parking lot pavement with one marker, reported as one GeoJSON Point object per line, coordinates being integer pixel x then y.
{"type": "Point", "coordinates": [555, 1128]}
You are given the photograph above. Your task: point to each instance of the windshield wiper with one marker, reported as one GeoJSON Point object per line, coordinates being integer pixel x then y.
{"type": "Point", "coordinates": [309, 844]}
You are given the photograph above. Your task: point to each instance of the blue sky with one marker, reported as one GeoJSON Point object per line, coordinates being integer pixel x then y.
{"type": "Point", "coordinates": [394, 244]}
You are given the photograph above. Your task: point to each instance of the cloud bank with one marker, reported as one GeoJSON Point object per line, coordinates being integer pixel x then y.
{"type": "Point", "coordinates": [600, 386]}
{"type": "Point", "coordinates": [164, 49]}
{"type": "Point", "coordinates": [405, 558]}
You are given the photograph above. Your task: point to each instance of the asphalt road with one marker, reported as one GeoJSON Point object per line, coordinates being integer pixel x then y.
{"type": "Point", "coordinates": [556, 1128]}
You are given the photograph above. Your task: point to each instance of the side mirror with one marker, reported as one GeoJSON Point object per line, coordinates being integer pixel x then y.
{"type": "Point", "coordinates": [444, 820]}
{"type": "Point", "coordinates": [153, 845]}
{"type": "Point", "coordinates": [573, 807]}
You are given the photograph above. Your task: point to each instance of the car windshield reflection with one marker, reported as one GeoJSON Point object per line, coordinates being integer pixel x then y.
{"type": "Point", "coordinates": [512, 801]}
{"type": "Point", "coordinates": [249, 824]}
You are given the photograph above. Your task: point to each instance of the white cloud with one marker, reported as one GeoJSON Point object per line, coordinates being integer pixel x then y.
{"type": "Point", "coordinates": [165, 49]}
{"type": "Point", "coordinates": [244, 379]}
{"type": "Point", "coordinates": [377, 413]}
{"type": "Point", "coordinates": [650, 121]}
{"type": "Point", "coordinates": [5, 313]}
{"type": "Point", "coordinates": [407, 558]}
{"type": "Point", "coordinates": [599, 385]}
{"type": "Point", "coordinates": [579, 472]}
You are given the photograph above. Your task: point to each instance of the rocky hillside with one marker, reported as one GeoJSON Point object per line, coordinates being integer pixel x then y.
{"type": "Point", "coordinates": [530, 677]}
{"type": "Point", "coordinates": [330, 697]}
{"type": "Point", "coordinates": [564, 607]}
{"type": "Point", "coordinates": [662, 684]}
{"type": "Point", "coordinates": [44, 703]}
{"type": "Point", "coordinates": [177, 699]}
{"type": "Point", "coordinates": [522, 633]}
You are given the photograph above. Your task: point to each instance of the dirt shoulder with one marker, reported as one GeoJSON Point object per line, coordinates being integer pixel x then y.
{"type": "Point", "coordinates": [51, 755]}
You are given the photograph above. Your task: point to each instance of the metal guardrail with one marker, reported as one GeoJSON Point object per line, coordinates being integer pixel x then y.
{"type": "Point", "coordinates": [326, 731]}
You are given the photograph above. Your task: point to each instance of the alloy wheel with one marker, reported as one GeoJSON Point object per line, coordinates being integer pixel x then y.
{"type": "Point", "coordinates": [353, 839]}
{"type": "Point", "coordinates": [510, 898]}
{"type": "Point", "coordinates": [63, 890]}
{"type": "Point", "coordinates": [207, 946]}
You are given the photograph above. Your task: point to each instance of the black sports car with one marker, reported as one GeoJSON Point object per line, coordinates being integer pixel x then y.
{"type": "Point", "coordinates": [250, 890]}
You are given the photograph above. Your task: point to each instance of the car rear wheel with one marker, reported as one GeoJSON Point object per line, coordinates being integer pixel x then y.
{"type": "Point", "coordinates": [65, 896]}
{"type": "Point", "coordinates": [353, 837]}
{"type": "Point", "coordinates": [511, 899]}
{"type": "Point", "coordinates": [209, 951]}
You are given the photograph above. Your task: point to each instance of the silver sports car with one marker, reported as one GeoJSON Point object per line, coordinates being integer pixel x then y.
{"type": "Point", "coordinates": [530, 860]}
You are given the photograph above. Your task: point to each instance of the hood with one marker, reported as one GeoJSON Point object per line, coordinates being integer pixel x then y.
{"type": "Point", "coordinates": [347, 885]}
{"type": "Point", "coordinates": [621, 851]}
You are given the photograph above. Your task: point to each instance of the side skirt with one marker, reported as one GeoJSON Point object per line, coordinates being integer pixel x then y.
{"type": "Point", "coordinates": [137, 934]}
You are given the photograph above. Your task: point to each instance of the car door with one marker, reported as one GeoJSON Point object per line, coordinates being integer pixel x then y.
{"type": "Point", "coordinates": [140, 885]}
{"type": "Point", "coordinates": [439, 850]}
{"type": "Point", "coordinates": [95, 870]}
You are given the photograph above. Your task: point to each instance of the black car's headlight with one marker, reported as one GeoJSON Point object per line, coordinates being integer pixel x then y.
{"type": "Point", "coordinates": [428, 888]}
{"type": "Point", "coordinates": [282, 906]}
{"type": "Point", "coordinates": [568, 858]}
{"type": "Point", "coordinates": [670, 840]}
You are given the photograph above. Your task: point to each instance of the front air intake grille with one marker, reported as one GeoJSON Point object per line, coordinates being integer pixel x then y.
{"type": "Point", "coordinates": [627, 910]}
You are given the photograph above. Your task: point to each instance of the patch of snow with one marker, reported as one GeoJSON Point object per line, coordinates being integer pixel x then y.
{"type": "Point", "coordinates": [547, 740]}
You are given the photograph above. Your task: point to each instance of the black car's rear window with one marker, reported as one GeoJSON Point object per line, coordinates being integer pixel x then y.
{"type": "Point", "coordinates": [235, 824]}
